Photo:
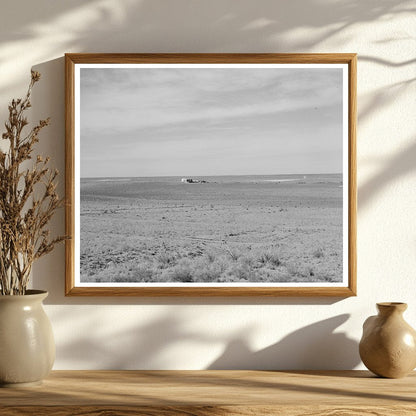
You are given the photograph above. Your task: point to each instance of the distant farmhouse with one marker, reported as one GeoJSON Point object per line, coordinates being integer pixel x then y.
{"type": "Point", "coordinates": [190, 180]}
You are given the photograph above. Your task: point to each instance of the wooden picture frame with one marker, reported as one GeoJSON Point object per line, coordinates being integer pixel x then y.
{"type": "Point", "coordinates": [98, 80]}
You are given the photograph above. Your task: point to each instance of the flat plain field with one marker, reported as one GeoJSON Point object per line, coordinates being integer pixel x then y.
{"type": "Point", "coordinates": [260, 229]}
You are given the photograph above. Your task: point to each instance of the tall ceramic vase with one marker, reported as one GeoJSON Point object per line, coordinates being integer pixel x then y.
{"type": "Point", "coordinates": [388, 344]}
{"type": "Point", "coordinates": [27, 347]}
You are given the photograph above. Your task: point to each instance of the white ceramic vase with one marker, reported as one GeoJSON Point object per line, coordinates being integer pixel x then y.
{"type": "Point", "coordinates": [27, 347]}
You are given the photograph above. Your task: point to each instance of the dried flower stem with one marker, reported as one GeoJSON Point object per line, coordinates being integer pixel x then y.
{"type": "Point", "coordinates": [23, 217]}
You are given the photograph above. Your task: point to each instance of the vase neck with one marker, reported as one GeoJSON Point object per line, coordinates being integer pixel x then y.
{"type": "Point", "coordinates": [391, 308]}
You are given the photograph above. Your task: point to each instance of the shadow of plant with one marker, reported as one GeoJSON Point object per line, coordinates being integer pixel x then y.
{"type": "Point", "coordinates": [397, 166]}
{"type": "Point", "coordinates": [316, 346]}
{"type": "Point", "coordinates": [313, 347]}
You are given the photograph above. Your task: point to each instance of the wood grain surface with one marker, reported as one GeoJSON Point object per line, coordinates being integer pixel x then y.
{"type": "Point", "coordinates": [203, 393]}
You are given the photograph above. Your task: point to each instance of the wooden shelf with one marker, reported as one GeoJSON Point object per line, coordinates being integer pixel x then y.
{"type": "Point", "coordinates": [203, 393]}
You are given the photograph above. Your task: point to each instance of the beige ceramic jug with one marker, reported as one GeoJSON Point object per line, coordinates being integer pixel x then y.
{"type": "Point", "coordinates": [388, 344]}
{"type": "Point", "coordinates": [27, 347]}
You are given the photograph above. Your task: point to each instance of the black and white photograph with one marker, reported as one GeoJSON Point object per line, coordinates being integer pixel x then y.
{"type": "Point", "coordinates": [212, 175]}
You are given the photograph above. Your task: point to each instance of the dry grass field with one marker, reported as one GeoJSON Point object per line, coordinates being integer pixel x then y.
{"type": "Point", "coordinates": [231, 229]}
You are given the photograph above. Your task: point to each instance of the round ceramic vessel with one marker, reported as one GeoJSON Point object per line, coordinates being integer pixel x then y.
{"type": "Point", "coordinates": [27, 347]}
{"type": "Point", "coordinates": [388, 345]}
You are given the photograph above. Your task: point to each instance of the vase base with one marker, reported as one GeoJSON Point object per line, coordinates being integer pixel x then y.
{"type": "Point", "coordinates": [18, 385]}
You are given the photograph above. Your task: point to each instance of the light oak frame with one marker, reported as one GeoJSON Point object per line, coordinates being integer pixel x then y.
{"type": "Point", "coordinates": [338, 58]}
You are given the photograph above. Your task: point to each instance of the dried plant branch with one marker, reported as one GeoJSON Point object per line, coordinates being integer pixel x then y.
{"type": "Point", "coordinates": [24, 217]}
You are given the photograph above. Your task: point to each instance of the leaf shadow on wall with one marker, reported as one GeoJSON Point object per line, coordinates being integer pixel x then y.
{"type": "Point", "coordinates": [315, 346]}
{"type": "Point", "coordinates": [394, 168]}
{"type": "Point", "coordinates": [149, 26]}
{"type": "Point", "coordinates": [137, 347]}
{"type": "Point", "coordinates": [312, 347]}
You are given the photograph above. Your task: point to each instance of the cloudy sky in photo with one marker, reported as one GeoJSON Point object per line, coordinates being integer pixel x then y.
{"type": "Point", "coordinates": [205, 121]}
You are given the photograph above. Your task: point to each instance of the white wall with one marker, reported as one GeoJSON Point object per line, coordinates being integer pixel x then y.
{"type": "Point", "coordinates": [199, 333]}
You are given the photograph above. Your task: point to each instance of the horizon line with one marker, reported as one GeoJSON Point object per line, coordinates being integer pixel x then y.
{"type": "Point", "coordinates": [196, 176]}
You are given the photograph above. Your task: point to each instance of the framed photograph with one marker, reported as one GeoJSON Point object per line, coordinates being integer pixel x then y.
{"type": "Point", "coordinates": [211, 174]}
